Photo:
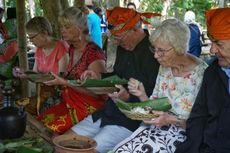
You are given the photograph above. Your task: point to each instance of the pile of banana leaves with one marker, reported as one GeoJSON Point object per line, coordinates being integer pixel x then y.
{"type": "Point", "coordinates": [25, 145]}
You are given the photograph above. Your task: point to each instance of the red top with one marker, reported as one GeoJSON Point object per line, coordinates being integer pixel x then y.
{"type": "Point", "coordinates": [10, 50]}
{"type": "Point", "coordinates": [91, 53]}
{"type": "Point", "coordinates": [49, 63]}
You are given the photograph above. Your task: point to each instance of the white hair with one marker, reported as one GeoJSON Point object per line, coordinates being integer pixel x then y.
{"type": "Point", "coordinates": [190, 17]}
{"type": "Point", "coordinates": [174, 32]}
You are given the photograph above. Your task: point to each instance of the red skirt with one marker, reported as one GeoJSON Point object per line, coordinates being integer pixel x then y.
{"type": "Point", "coordinates": [74, 107]}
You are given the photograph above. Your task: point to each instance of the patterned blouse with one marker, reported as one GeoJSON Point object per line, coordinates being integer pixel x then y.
{"type": "Point", "coordinates": [90, 54]}
{"type": "Point", "coordinates": [181, 91]}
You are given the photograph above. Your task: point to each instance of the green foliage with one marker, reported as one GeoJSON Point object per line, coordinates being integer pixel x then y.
{"type": "Point", "coordinates": [10, 3]}
{"type": "Point", "coordinates": [25, 145]}
{"type": "Point", "coordinates": [151, 5]}
{"type": "Point", "coordinates": [38, 8]}
{"type": "Point", "coordinates": [197, 6]}
{"type": "Point", "coordinates": [179, 7]}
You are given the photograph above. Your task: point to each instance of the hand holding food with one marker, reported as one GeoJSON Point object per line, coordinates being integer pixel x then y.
{"type": "Point", "coordinates": [136, 88]}
{"type": "Point", "coordinates": [56, 81]}
{"type": "Point", "coordinates": [89, 74]}
{"type": "Point", "coordinates": [163, 119]}
{"type": "Point", "coordinates": [121, 94]}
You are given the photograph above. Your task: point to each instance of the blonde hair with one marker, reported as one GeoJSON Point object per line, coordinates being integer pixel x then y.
{"type": "Point", "coordinates": [76, 16]}
{"type": "Point", "coordinates": [39, 24]}
{"type": "Point", "coordinates": [174, 32]}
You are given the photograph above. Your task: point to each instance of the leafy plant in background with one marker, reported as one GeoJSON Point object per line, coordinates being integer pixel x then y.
{"type": "Point", "coordinates": [10, 3]}
{"type": "Point", "coordinates": [197, 6]}
{"type": "Point", "coordinates": [177, 8]}
{"type": "Point", "coordinates": [152, 5]}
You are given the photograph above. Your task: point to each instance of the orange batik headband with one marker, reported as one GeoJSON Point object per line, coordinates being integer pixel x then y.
{"type": "Point", "coordinates": [218, 23]}
{"type": "Point", "coordinates": [122, 19]}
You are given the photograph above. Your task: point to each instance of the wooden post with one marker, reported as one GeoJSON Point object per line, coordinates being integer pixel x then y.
{"type": "Point", "coordinates": [51, 11]}
{"type": "Point", "coordinates": [21, 39]}
{"type": "Point", "coordinates": [79, 3]}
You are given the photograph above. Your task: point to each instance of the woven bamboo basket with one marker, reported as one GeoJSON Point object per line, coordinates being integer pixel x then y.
{"type": "Point", "coordinates": [137, 116]}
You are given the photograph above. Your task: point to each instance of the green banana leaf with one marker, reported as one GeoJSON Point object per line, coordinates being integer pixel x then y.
{"type": "Point", "coordinates": [23, 149]}
{"type": "Point", "coordinates": [160, 104]}
{"type": "Point", "coordinates": [26, 145]}
{"type": "Point", "coordinates": [106, 82]}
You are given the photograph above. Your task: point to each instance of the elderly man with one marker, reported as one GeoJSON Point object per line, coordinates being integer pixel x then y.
{"type": "Point", "coordinates": [134, 59]}
{"type": "Point", "coordinates": [208, 128]}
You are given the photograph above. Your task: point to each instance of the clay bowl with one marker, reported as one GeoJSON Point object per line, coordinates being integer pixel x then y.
{"type": "Point", "coordinates": [74, 144]}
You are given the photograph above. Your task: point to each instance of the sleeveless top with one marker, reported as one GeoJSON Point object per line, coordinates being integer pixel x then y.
{"type": "Point", "coordinates": [49, 63]}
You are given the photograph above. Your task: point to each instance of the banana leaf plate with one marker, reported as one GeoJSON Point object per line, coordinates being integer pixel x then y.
{"type": "Point", "coordinates": [102, 90]}
{"type": "Point", "coordinates": [137, 116]}
{"type": "Point", "coordinates": [160, 104]}
{"type": "Point", "coordinates": [106, 82]}
{"type": "Point", "coordinates": [38, 77]}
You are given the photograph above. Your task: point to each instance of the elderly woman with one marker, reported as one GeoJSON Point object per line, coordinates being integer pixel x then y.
{"type": "Point", "coordinates": [77, 103]}
{"type": "Point", "coordinates": [179, 78]}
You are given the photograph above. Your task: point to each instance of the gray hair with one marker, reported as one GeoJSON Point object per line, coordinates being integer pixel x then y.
{"type": "Point", "coordinates": [76, 16]}
{"type": "Point", "coordinates": [39, 24]}
{"type": "Point", "coordinates": [174, 32]}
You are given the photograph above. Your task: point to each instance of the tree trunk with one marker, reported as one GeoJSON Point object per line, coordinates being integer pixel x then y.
{"type": "Point", "coordinates": [79, 3]}
{"type": "Point", "coordinates": [32, 8]}
{"type": "Point", "coordinates": [167, 4]}
{"type": "Point", "coordinates": [64, 4]}
{"type": "Point", "coordinates": [21, 39]}
{"type": "Point", "coordinates": [2, 4]}
{"type": "Point", "coordinates": [223, 3]}
{"type": "Point", "coordinates": [51, 11]}
{"type": "Point", "coordinates": [112, 3]}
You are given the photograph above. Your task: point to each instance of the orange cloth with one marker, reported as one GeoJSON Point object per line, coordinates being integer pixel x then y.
{"type": "Point", "coordinates": [218, 23]}
{"type": "Point", "coordinates": [74, 107]}
{"type": "Point", "coordinates": [124, 19]}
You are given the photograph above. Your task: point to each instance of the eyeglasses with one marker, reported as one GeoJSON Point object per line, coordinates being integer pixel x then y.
{"type": "Point", "coordinates": [32, 37]}
{"type": "Point", "coordinates": [159, 51]}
